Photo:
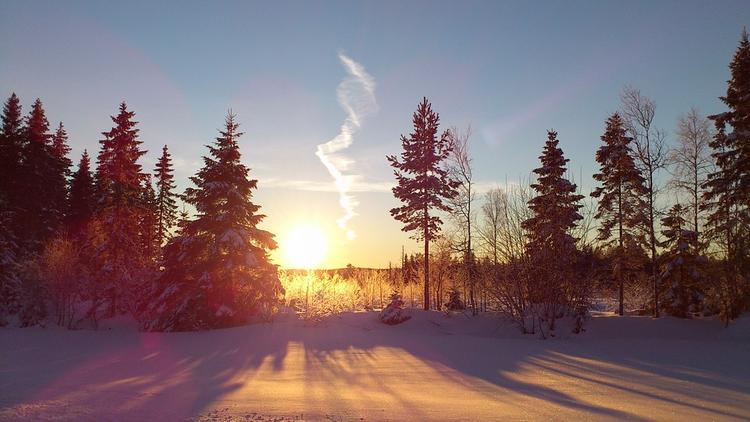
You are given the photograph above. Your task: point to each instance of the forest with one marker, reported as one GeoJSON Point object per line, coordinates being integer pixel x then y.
{"type": "Point", "coordinates": [665, 231]}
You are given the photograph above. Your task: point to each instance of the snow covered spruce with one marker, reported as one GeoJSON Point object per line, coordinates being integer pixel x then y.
{"type": "Point", "coordinates": [216, 269]}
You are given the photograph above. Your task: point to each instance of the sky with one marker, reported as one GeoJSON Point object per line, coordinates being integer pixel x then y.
{"type": "Point", "coordinates": [510, 70]}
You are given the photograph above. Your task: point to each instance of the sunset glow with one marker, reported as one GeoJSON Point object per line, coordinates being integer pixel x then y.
{"type": "Point", "coordinates": [432, 211]}
{"type": "Point", "coordinates": [304, 246]}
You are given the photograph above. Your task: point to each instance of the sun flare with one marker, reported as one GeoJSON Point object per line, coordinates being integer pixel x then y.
{"type": "Point", "coordinates": [304, 246]}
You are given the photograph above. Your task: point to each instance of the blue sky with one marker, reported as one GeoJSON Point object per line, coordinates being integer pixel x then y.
{"type": "Point", "coordinates": [509, 69]}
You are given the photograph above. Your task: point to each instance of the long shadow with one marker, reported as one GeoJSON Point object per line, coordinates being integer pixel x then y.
{"type": "Point", "coordinates": [180, 375]}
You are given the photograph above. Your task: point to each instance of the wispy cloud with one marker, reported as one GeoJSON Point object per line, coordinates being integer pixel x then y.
{"type": "Point", "coordinates": [358, 186]}
{"type": "Point", "coordinates": [356, 95]}
{"type": "Point", "coordinates": [318, 186]}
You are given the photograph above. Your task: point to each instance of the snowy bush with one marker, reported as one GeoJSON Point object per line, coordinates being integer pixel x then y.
{"type": "Point", "coordinates": [394, 313]}
{"type": "Point", "coordinates": [454, 301]}
{"type": "Point", "coordinates": [33, 298]}
{"type": "Point", "coordinates": [65, 279]}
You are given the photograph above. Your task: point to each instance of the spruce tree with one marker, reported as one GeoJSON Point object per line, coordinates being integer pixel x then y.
{"type": "Point", "coordinates": [166, 206]}
{"type": "Point", "coordinates": [679, 265]}
{"type": "Point", "coordinates": [59, 175]}
{"type": "Point", "coordinates": [217, 270]}
{"type": "Point", "coordinates": [151, 247]}
{"type": "Point", "coordinates": [424, 184]}
{"type": "Point", "coordinates": [621, 206]}
{"type": "Point", "coordinates": [39, 218]}
{"type": "Point", "coordinates": [11, 158]}
{"type": "Point", "coordinates": [727, 190]}
{"type": "Point", "coordinates": [82, 200]}
{"type": "Point", "coordinates": [551, 247]}
{"type": "Point", "coordinates": [115, 233]}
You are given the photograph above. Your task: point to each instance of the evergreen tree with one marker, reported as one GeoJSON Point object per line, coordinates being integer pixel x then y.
{"type": "Point", "coordinates": [10, 282]}
{"type": "Point", "coordinates": [556, 204]}
{"type": "Point", "coordinates": [424, 184]}
{"type": "Point", "coordinates": [11, 154]}
{"type": "Point", "coordinates": [166, 206]}
{"type": "Point", "coordinates": [115, 233]}
{"type": "Point", "coordinates": [680, 265]}
{"type": "Point", "coordinates": [551, 247]}
{"type": "Point", "coordinates": [148, 222]}
{"type": "Point", "coordinates": [39, 218]}
{"type": "Point", "coordinates": [82, 199]}
{"type": "Point", "coordinates": [60, 173]}
{"type": "Point", "coordinates": [727, 190]}
{"type": "Point", "coordinates": [118, 173]}
{"type": "Point", "coordinates": [217, 269]}
{"type": "Point", "coordinates": [11, 158]}
{"type": "Point", "coordinates": [621, 206]}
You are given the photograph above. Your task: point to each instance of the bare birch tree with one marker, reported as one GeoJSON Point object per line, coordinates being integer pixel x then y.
{"type": "Point", "coordinates": [651, 155]}
{"type": "Point", "coordinates": [460, 169]}
{"type": "Point", "coordinates": [690, 161]}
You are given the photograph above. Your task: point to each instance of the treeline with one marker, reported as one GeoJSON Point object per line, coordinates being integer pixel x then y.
{"type": "Point", "coordinates": [91, 244]}
{"type": "Point", "coordinates": [83, 245]}
{"type": "Point", "coordinates": [542, 251]}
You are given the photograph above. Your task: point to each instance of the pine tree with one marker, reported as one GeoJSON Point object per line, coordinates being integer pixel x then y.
{"type": "Point", "coordinates": [217, 269]}
{"type": "Point", "coordinates": [680, 265]}
{"type": "Point", "coordinates": [11, 158]}
{"type": "Point", "coordinates": [115, 233]}
{"type": "Point", "coordinates": [551, 247]}
{"type": "Point", "coordinates": [621, 205]}
{"type": "Point", "coordinates": [82, 200]}
{"type": "Point", "coordinates": [166, 206]}
{"type": "Point", "coordinates": [40, 218]}
{"type": "Point", "coordinates": [727, 190]}
{"type": "Point", "coordinates": [424, 184]}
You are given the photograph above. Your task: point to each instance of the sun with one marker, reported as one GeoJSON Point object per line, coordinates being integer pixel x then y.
{"type": "Point", "coordinates": [304, 246]}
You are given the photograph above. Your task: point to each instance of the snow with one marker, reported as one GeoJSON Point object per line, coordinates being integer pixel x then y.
{"type": "Point", "coordinates": [352, 367]}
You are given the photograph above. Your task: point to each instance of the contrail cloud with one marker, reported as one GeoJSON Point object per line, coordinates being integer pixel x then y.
{"type": "Point", "coordinates": [356, 95]}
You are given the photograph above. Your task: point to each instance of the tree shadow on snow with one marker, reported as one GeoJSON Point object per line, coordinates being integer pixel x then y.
{"type": "Point", "coordinates": [180, 375]}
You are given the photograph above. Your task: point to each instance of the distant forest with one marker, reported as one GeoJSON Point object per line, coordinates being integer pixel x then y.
{"type": "Point", "coordinates": [665, 231]}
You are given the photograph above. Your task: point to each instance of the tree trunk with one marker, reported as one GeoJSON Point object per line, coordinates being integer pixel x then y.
{"type": "Point", "coordinates": [426, 260]}
{"type": "Point", "coordinates": [621, 252]}
{"type": "Point", "coordinates": [652, 239]}
{"type": "Point", "coordinates": [426, 272]}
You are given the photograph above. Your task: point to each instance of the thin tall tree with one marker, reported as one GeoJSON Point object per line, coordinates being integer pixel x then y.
{"type": "Point", "coordinates": [621, 206]}
{"type": "Point", "coordinates": [691, 162]}
{"type": "Point", "coordinates": [461, 169]}
{"type": "Point", "coordinates": [82, 200]}
{"type": "Point", "coordinates": [650, 154]}
{"type": "Point", "coordinates": [166, 205]}
{"type": "Point", "coordinates": [424, 184]}
{"type": "Point", "coordinates": [11, 157]}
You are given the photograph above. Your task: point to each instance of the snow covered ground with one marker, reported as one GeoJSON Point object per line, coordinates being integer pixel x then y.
{"type": "Point", "coordinates": [351, 367]}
